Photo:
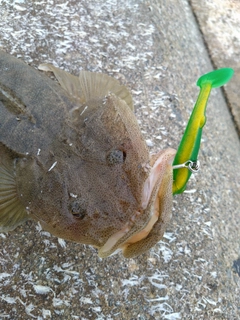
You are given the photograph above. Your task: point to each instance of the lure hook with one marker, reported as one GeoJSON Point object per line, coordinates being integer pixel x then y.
{"type": "Point", "coordinates": [193, 166]}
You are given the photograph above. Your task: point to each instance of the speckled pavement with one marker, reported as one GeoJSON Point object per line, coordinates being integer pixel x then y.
{"type": "Point", "coordinates": [156, 48]}
{"type": "Point", "coordinates": [219, 22]}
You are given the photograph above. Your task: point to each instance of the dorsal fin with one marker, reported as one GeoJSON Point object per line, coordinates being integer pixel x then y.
{"type": "Point", "coordinates": [12, 211]}
{"type": "Point", "coordinates": [89, 85]}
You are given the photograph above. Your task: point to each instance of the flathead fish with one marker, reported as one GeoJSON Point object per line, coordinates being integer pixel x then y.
{"type": "Point", "coordinates": [73, 158]}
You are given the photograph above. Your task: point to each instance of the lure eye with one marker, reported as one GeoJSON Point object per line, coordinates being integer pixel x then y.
{"type": "Point", "coordinates": [116, 157]}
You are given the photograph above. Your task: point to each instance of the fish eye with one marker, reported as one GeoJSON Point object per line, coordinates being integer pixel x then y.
{"type": "Point", "coordinates": [116, 157]}
{"type": "Point", "coordinates": [77, 209]}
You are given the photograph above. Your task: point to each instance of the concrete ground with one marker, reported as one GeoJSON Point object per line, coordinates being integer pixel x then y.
{"type": "Point", "coordinates": [219, 24]}
{"type": "Point", "coordinates": [157, 49]}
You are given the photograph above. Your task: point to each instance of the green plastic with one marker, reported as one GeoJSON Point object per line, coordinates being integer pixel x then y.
{"type": "Point", "coordinates": [217, 78]}
{"type": "Point", "coordinates": [190, 143]}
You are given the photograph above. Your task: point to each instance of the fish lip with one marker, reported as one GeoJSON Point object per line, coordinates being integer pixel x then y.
{"type": "Point", "coordinates": [163, 160]}
{"type": "Point", "coordinates": [108, 247]}
{"type": "Point", "coordinates": [160, 163]}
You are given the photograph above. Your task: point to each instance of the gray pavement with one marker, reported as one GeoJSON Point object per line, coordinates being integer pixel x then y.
{"type": "Point", "coordinates": [156, 48]}
{"type": "Point", "coordinates": [219, 22]}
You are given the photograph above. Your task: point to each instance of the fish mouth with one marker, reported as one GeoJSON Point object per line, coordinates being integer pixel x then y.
{"type": "Point", "coordinates": [142, 222]}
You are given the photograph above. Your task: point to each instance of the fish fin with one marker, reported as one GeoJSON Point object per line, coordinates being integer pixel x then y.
{"type": "Point", "coordinates": [12, 211]}
{"type": "Point", "coordinates": [89, 85]}
{"type": "Point", "coordinates": [68, 82]}
{"type": "Point", "coordinates": [97, 85]}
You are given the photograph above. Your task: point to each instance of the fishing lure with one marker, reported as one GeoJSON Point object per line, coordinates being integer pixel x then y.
{"type": "Point", "coordinates": [186, 160]}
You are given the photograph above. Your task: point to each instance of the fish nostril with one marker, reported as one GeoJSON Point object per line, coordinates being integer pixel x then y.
{"type": "Point", "coordinates": [116, 157]}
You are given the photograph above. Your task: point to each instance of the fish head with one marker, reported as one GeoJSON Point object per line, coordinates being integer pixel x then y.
{"type": "Point", "coordinates": [120, 196]}
{"type": "Point", "coordinates": [126, 192]}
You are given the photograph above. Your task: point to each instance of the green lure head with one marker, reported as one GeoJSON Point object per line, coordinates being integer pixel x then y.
{"type": "Point", "coordinates": [216, 78]}
{"type": "Point", "coordinates": [185, 161]}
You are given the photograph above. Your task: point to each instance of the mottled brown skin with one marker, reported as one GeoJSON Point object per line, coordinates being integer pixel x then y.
{"type": "Point", "coordinates": [59, 155]}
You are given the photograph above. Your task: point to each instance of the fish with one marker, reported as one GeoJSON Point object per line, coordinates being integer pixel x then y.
{"type": "Point", "coordinates": [73, 158]}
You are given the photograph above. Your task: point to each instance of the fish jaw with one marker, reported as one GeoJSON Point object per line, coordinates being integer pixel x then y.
{"type": "Point", "coordinates": [156, 200]}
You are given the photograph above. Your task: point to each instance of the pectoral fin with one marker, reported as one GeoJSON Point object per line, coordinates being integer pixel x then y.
{"type": "Point", "coordinates": [12, 211]}
{"type": "Point", "coordinates": [89, 85]}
